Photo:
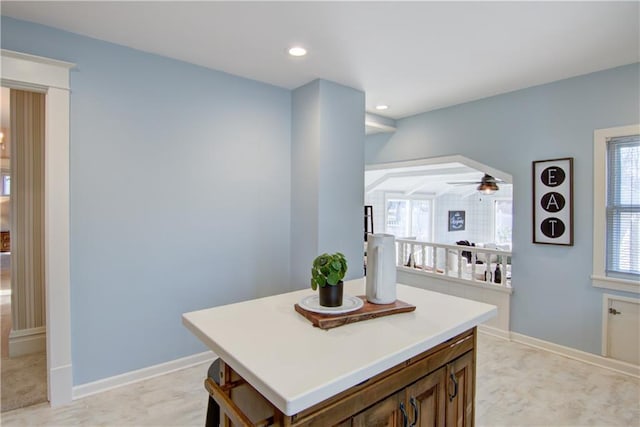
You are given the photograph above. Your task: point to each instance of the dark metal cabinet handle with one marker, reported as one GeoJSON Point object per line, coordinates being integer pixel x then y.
{"type": "Point", "coordinates": [415, 411]}
{"type": "Point", "coordinates": [405, 419]}
{"type": "Point", "coordinates": [455, 386]}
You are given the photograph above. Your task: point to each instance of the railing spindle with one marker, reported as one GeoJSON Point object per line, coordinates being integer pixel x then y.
{"type": "Point", "coordinates": [412, 256]}
{"type": "Point", "coordinates": [408, 251]}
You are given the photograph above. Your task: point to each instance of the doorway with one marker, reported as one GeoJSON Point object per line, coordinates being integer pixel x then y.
{"type": "Point", "coordinates": [23, 370]}
{"type": "Point", "coordinates": [51, 76]}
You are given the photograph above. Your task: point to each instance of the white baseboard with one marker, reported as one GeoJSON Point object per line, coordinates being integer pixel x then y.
{"type": "Point", "coordinates": [60, 382]}
{"type": "Point", "coordinates": [116, 381]}
{"type": "Point", "coordinates": [27, 341]}
{"type": "Point", "coordinates": [571, 353]}
{"type": "Point", "coordinates": [582, 356]}
{"type": "Point", "coordinates": [490, 330]}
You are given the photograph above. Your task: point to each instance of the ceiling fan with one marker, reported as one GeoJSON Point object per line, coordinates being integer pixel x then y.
{"type": "Point", "coordinates": [487, 185]}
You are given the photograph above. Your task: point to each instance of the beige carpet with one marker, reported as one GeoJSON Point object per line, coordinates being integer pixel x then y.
{"type": "Point", "coordinates": [5, 271]}
{"type": "Point", "coordinates": [24, 381]}
{"type": "Point", "coordinates": [5, 324]}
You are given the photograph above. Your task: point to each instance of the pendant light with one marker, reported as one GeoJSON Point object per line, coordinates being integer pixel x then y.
{"type": "Point", "coordinates": [488, 185]}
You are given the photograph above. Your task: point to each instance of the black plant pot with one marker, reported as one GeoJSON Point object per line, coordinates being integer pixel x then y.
{"type": "Point", "coordinates": [331, 296]}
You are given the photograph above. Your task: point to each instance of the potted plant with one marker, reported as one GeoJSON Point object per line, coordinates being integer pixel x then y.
{"type": "Point", "coordinates": [327, 273]}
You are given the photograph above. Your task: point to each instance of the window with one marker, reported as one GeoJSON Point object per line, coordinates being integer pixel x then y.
{"type": "Point", "coordinates": [6, 184]}
{"type": "Point", "coordinates": [623, 207]}
{"type": "Point", "coordinates": [616, 209]}
{"type": "Point", "coordinates": [503, 212]}
{"type": "Point", "coordinates": [408, 217]}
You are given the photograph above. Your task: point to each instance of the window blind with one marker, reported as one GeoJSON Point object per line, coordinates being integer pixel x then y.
{"type": "Point", "coordinates": [623, 207]}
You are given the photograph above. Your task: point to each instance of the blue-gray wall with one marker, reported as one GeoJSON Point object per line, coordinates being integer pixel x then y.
{"type": "Point", "coordinates": [180, 196]}
{"type": "Point", "coordinates": [305, 152]}
{"type": "Point", "coordinates": [553, 298]}
{"type": "Point", "coordinates": [327, 174]}
{"type": "Point", "coordinates": [342, 174]}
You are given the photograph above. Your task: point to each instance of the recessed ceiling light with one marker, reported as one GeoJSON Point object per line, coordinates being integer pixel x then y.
{"type": "Point", "coordinates": [297, 51]}
{"type": "Point", "coordinates": [381, 107]}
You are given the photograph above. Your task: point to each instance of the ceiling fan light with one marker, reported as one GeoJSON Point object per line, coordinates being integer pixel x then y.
{"type": "Point", "coordinates": [488, 187]}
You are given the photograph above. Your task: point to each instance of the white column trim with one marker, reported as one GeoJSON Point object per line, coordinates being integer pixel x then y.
{"type": "Point", "coordinates": [31, 72]}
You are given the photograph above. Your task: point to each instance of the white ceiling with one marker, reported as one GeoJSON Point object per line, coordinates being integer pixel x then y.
{"type": "Point", "coordinates": [434, 179]}
{"type": "Point", "coordinates": [413, 56]}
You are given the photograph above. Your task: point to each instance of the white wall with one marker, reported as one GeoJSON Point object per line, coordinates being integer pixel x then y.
{"type": "Point", "coordinates": [479, 217]}
{"type": "Point", "coordinates": [376, 199]}
{"type": "Point", "coordinates": [479, 211]}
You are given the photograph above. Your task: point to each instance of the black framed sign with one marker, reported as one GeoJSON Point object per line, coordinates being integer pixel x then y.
{"type": "Point", "coordinates": [553, 201]}
{"type": "Point", "coordinates": [456, 220]}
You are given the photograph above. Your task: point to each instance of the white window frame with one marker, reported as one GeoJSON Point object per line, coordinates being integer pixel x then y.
{"type": "Point", "coordinates": [493, 217]}
{"type": "Point", "coordinates": [599, 277]}
{"type": "Point", "coordinates": [401, 196]}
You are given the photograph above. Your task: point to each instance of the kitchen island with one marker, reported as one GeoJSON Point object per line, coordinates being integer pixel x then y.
{"type": "Point", "coordinates": [277, 368]}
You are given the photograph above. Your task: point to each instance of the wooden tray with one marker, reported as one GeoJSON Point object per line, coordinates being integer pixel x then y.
{"type": "Point", "coordinates": [368, 311]}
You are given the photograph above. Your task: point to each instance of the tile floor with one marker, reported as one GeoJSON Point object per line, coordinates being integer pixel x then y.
{"type": "Point", "coordinates": [517, 386]}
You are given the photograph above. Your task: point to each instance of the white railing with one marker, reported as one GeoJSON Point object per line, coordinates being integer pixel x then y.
{"type": "Point", "coordinates": [448, 260]}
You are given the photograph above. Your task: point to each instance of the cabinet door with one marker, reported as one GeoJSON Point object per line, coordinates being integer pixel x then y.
{"type": "Point", "coordinates": [385, 413]}
{"type": "Point", "coordinates": [425, 400]}
{"type": "Point", "coordinates": [460, 389]}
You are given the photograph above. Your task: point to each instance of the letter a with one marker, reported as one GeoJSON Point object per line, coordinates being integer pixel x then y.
{"type": "Point", "coordinates": [552, 201]}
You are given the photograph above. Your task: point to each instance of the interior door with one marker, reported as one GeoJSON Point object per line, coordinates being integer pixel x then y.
{"type": "Point", "coordinates": [623, 330]}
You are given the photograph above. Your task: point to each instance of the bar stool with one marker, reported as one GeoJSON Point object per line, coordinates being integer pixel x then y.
{"type": "Point", "coordinates": [213, 410]}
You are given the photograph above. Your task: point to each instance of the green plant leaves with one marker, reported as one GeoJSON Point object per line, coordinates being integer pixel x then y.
{"type": "Point", "coordinates": [328, 270]}
{"type": "Point", "coordinates": [334, 278]}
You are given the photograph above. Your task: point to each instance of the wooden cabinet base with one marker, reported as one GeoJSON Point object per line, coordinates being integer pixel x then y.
{"type": "Point", "coordinates": [434, 388]}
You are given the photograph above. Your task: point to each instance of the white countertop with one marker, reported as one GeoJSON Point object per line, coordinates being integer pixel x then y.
{"type": "Point", "coordinates": [296, 365]}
